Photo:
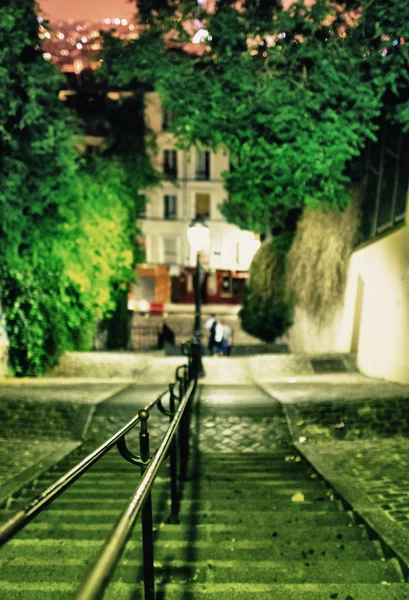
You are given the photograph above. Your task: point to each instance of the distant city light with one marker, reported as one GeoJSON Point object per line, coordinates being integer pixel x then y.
{"type": "Point", "coordinates": [78, 28]}
{"type": "Point", "coordinates": [131, 27]}
{"type": "Point", "coordinates": [84, 40]}
{"type": "Point", "coordinates": [107, 21]}
{"type": "Point", "coordinates": [64, 52]}
{"type": "Point", "coordinates": [60, 35]}
{"type": "Point", "coordinates": [47, 56]}
{"type": "Point", "coordinates": [200, 2]}
{"type": "Point", "coordinates": [79, 46]}
{"type": "Point", "coordinates": [117, 21]}
{"type": "Point", "coordinates": [124, 22]}
{"type": "Point", "coordinates": [40, 19]}
{"type": "Point", "coordinates": [47, 35]}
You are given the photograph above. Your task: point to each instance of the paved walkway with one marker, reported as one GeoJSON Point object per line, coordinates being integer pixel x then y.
{"type": "Point", "coordinates": [358, 426]}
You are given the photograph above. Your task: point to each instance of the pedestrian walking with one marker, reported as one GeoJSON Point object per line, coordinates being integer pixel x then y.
{"type": "Point", "coordinates": [210, 328]}
{"type": "Point", "coordinates": [218, 338]}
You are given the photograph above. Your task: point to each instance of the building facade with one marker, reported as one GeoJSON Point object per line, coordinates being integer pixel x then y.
{"type": "Point", "coordinates": [192, 187]}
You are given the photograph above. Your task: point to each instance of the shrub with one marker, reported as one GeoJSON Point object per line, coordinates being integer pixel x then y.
{"type": "Point", "coordinates": [266, 312]}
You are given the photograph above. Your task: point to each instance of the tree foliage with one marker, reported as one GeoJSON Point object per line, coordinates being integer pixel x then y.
{"type": "Point", "coordinates": [67, 221]}
{"type": "Point", "coordinates": [266, 311]}
{"type": "Point", "coordinates": [293, 94]}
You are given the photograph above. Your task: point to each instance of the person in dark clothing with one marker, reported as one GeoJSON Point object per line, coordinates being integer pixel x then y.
{"type": "Point", "coordinates": [210, 327]}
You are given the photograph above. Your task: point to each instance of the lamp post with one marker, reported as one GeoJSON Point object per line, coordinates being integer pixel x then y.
{"type": "Point", "coordinates": [199, 237]}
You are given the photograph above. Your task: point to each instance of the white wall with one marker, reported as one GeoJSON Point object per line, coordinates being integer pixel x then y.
{"type": "Point", "coordinates": [380, 334]}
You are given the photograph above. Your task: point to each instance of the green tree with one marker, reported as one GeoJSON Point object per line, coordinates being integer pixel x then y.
{"type": "Point", "coordinates": [293, 94]}
{"type": "Point", "coordinates": [38, 162]}
{"type": "Point", "coordinates": [67, 221]}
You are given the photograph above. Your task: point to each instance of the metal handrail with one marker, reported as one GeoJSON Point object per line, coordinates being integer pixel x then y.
{"type": "Point", "coordinates": [23, 516]}
{"type": "Point", "coordinates": [103, 568]}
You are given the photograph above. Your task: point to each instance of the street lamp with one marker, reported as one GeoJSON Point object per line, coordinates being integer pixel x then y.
{"type": "Point", "coordinates": [199, 237]}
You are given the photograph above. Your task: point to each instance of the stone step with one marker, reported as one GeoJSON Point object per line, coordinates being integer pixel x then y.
{"type": "Point", "coordinates": [248, 591]}
{"type": "Point", "coordinates": [223, 591]}
{"type": "Point", "coordinates": [247, 550]}
{"type": "Point", "coordinates": [252, 519]}
{"type": "Point", "coordinates": [221, 474]}
{"type": "Point", "coordinates": [206, 487]}
{"type": "Point", "coordinates": [97, 530]}
{"type": "Point", "coordinates": [188, 507]}
{"type": "Point", "coordinates": [209, 571]}
{"type": "Point", "coordinates": [110, 482]}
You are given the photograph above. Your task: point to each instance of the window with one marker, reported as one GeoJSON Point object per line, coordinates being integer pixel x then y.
{"type": "Point", "coordinates": [141, 204]}
{"type": "Point", "coordinates": [203, 165]}
{"type": "Point", "coordinates": [167, 118]}
{"type": "Point", "coordinates": [170, 251]}
{"type": "Point", "coordinates": [170, 167]}
{"type": "Point", "coordinates": [387, 179]}
{"type": "Point", "coordinates": [170, 207]}
{"type": "Point", "coordinates": [202, 206]}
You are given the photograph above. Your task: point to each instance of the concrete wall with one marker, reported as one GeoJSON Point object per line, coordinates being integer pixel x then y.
{"type": "Point", "coordinates": [373, 317]}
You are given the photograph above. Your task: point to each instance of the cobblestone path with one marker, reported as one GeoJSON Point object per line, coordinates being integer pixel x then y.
{"type": "Point", "coordinates": [380, 467]}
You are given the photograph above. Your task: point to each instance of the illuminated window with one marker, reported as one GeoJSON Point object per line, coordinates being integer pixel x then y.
{"type": "Point", "coordinates": [203, 165]}
{"type": "Point", "coordinates": [170, 251]}
{"type": "Point", "coordinates": [202, 206]}
{"type": "Point", "coordinates": [387, 179]}
{"type": "Point", "coordinates": [170, 163]}
{"type": "Point", "coordinates": [170, 206]}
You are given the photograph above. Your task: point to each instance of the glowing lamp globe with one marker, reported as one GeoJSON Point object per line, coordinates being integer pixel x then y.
{"type": "Point", "coordinates": [198, 235]}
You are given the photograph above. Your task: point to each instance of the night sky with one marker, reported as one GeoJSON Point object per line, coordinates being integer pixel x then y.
{"type": "Point", "coordinates": [87, 9]}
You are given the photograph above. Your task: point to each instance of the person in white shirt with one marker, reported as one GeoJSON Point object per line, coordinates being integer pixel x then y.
{"type": "Point", "coordinates": [218, 338]}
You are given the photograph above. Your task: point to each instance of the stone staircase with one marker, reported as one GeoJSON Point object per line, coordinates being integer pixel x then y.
{"type": "Point", "coordinates": [252, 526]}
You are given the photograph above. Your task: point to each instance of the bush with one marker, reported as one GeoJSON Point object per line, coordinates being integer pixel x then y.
{"type": "Point", "coordinates": [36, 324]}
{"type": "Point", "coordinates": [266, 312]}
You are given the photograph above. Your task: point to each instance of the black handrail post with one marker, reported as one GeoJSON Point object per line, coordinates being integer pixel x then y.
{"type": "Point", "coordinates": [181, 385]}
{"type": "Point", "coordinates": [197, 366]}
{"type": "Point", "coordinates": [173, 463]}
{"type": "Point", "coordinates": [189, 364]}
{"type": "Point", "coordinates": [147, 525]}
